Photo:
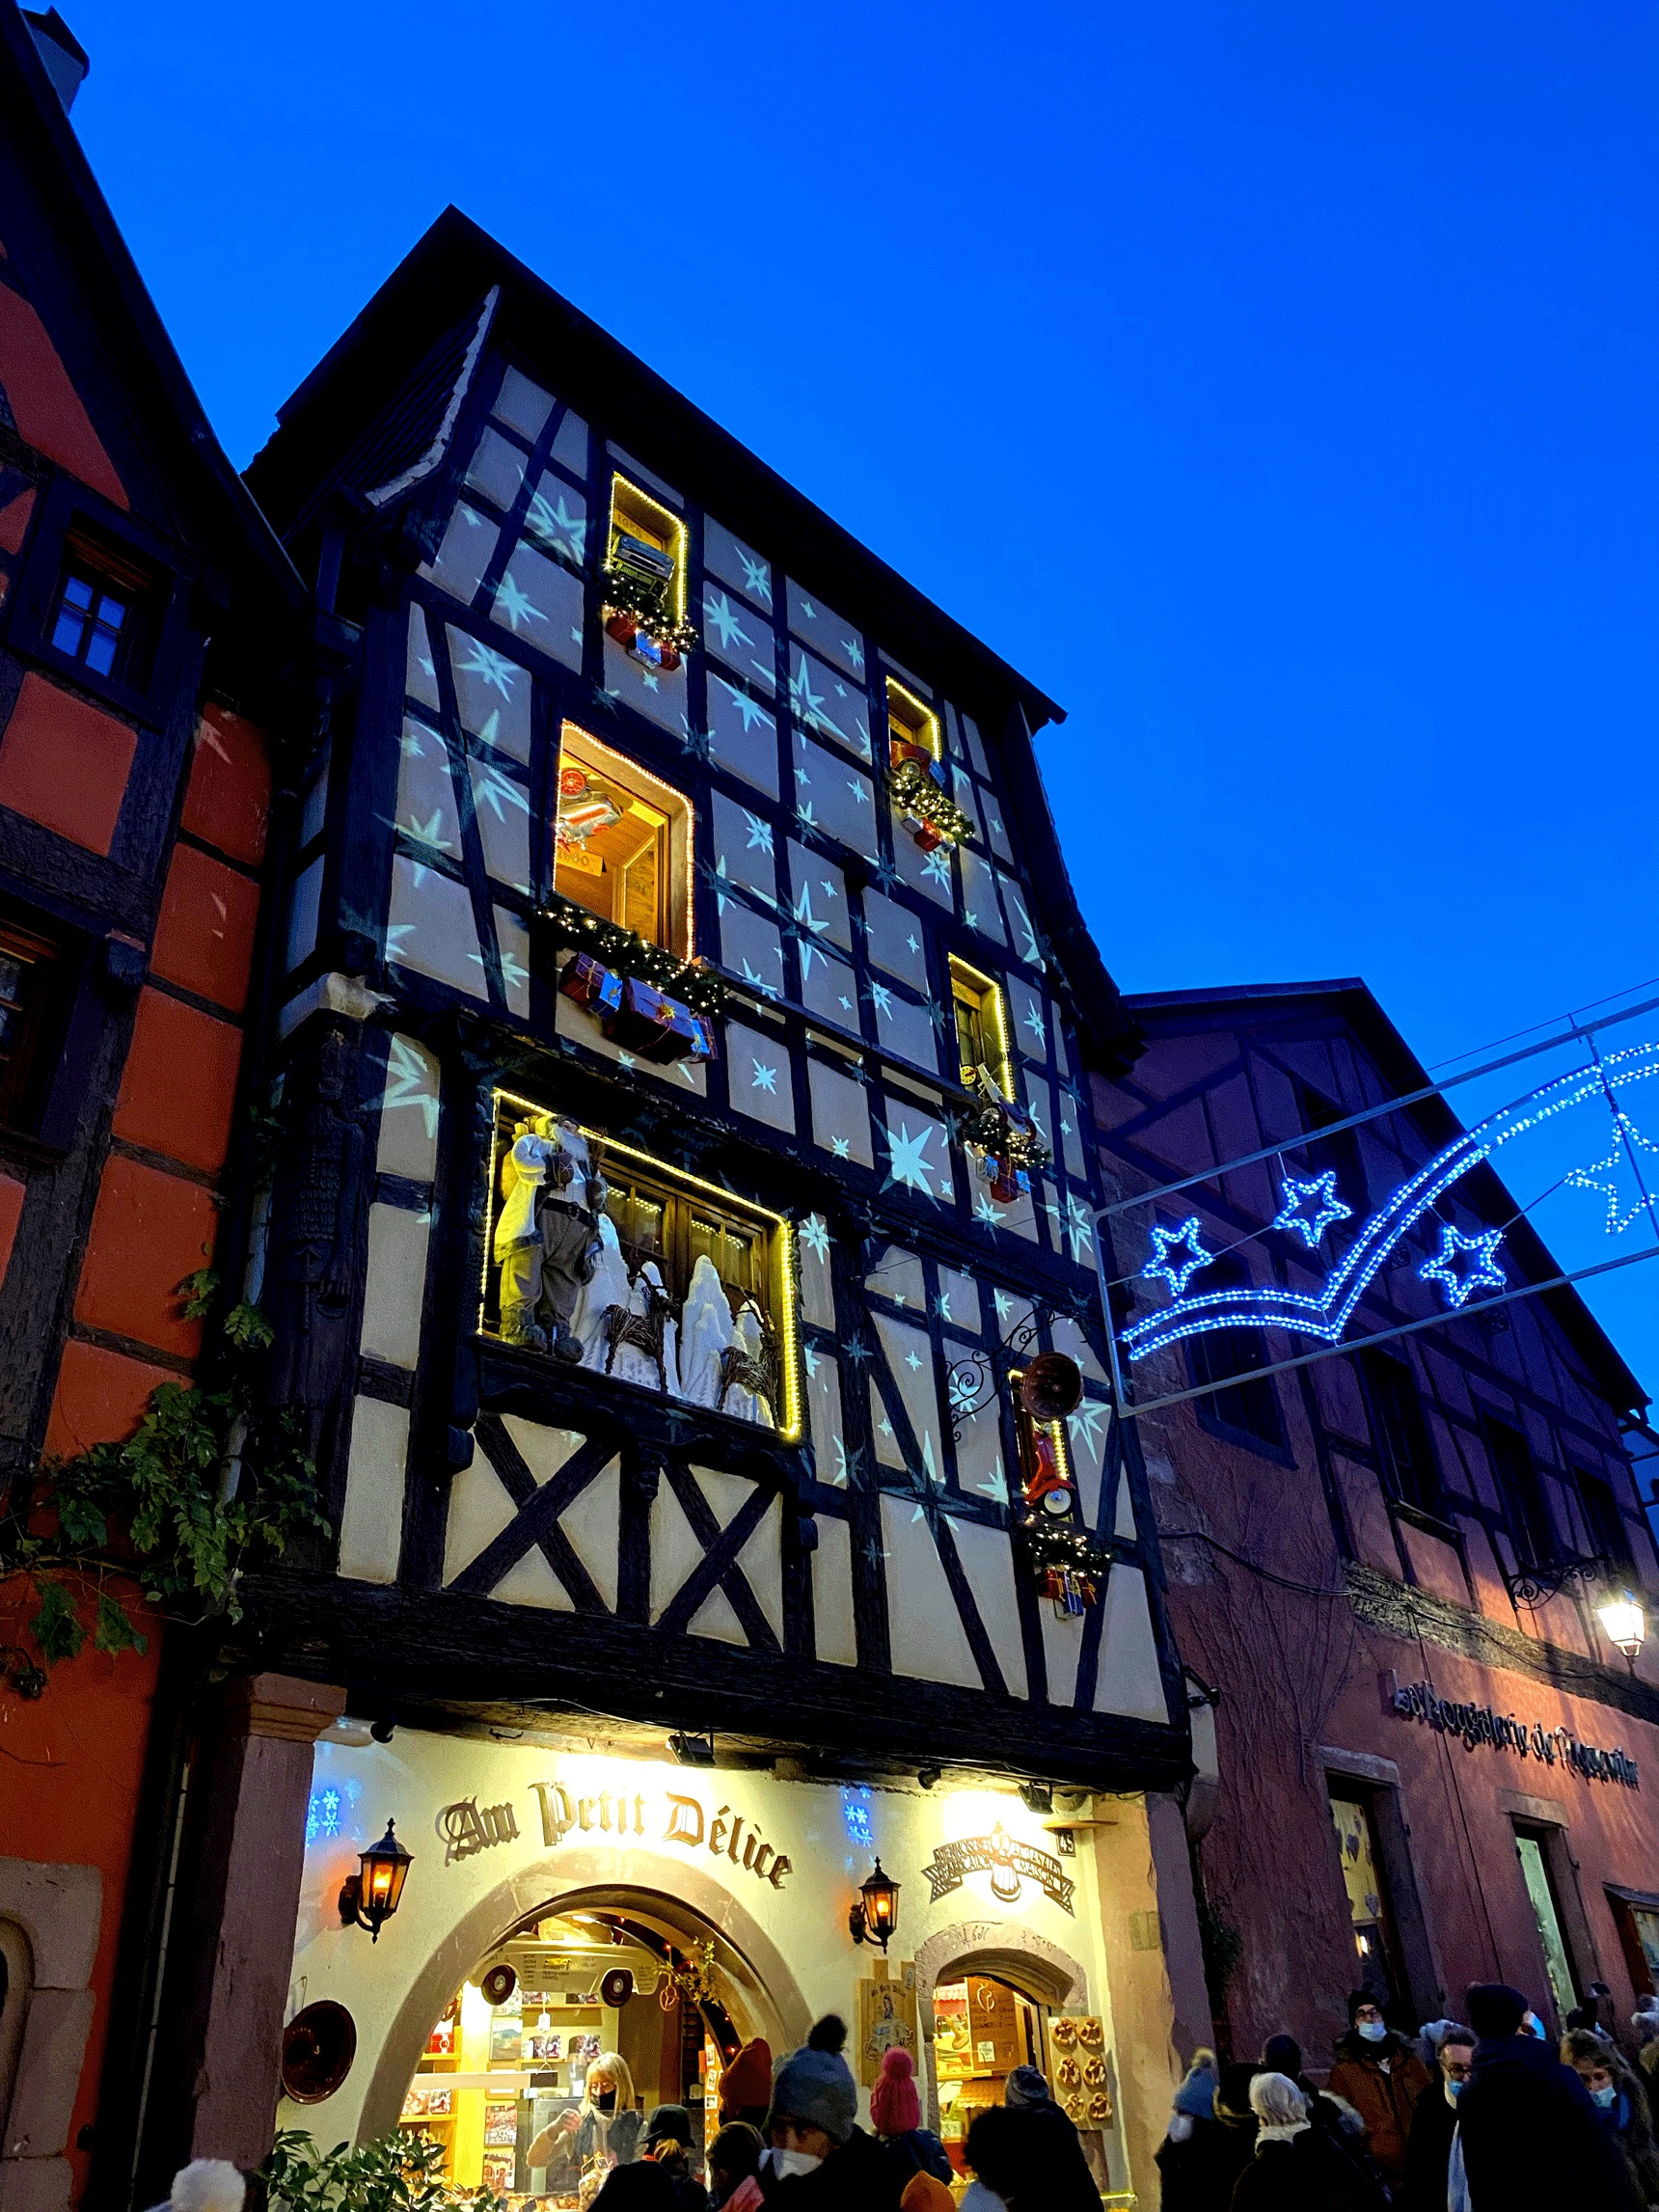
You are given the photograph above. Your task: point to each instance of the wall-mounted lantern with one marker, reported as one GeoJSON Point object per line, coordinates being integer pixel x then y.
{"type": "Point", "coordinates": [875, 1919]}
{"type": "Point", "coordinates": [1624, 1623]}
{"type": "Point", "coordinates": [369, 1897]}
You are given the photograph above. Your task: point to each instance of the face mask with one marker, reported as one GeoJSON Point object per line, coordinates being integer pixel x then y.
{"type": "Point", "coordinates": [787, 2162]}
{"type": "Point", "coordinates": [1604, 2097]}
{"type": "Point", "coordinates": [1534, 2025]}
{"type": "Point", "coordinates": [606, 2100]}
{"type": "Point", "coordinates": [1453, 2091]}
{"type": "Point", "coordinates": [1374, 2030]}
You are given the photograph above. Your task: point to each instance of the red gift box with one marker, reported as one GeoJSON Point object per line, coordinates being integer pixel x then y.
{"type": "Point", "coordinates": [591, 984]}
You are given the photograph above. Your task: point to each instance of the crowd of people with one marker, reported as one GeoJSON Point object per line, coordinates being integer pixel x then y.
{"type": "Point", "coordinates": [1482, 2118]}
{"type": "Point", "coordinates": [790, 2138]}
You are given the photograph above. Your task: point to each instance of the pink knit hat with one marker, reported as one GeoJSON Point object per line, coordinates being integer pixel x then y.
{"type": "Point", "coordinates": [894, 2105]}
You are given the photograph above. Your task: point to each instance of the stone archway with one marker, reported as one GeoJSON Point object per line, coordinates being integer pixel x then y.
{"type": "Point", "coordinates": [689, 1903]}
{"type": "Point", "coordinates": [1005, 1949]}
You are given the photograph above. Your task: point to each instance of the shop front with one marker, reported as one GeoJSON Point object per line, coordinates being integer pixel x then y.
{"type": "Point", "coordinates": [560, 1907]}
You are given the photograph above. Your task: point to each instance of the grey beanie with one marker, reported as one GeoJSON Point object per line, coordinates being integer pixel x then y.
{"type": "Point", "coordinates": [1027, 2085]}
{"type": "Point", "coordinates": [816, 2085]}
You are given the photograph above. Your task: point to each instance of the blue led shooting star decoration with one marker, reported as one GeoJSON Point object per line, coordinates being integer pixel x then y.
{"type": "Point", "coordinates": [1176, 1273]}
{"type": "Point", "coordinates": [1622, 1206]}
{"type": "Point", "coordinates": [1457, 1281]}
{"type": "Point", "coordinates": [1326, 1312]}
{"type": "Point", "coordinates": [1310, 1208]}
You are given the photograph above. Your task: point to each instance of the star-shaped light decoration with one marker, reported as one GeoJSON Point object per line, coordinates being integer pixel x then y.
{"type": "Point", "coordinates": [908, 1162]}
{"type": "Point", "coordinates": [1186, 1238]}
{"type": "Point", "coordinates": [1454, 1279]}
{"type": "Point", "coordinates": [1626, 1200]}
{"type": "Point", "coordinates": [815, 1236]}
{"type": "Point", "coordinates": [1309, 1207]}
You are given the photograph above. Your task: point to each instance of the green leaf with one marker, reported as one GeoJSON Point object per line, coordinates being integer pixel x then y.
{"type": "Point", "coordinates": [115, 1631]}
{"type": "Point", "coordinates": [198, 1290]}
{"type": "Point", "coordinates": [56, 1626]}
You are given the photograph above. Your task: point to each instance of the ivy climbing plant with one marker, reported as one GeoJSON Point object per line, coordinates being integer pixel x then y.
{"type": "Point", "coordinates": [210, 1483]}
{"type": "Point", "coordinates": [400, 2172]}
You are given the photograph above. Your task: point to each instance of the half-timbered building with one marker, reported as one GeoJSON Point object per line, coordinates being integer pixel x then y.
{"type": "Point", "coordinates": [681, 1245]}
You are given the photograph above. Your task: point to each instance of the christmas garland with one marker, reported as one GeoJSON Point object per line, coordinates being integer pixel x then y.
{"type": "Point", "coordinates": [1062, 1547]}
{"type": "Point", "coordinates": [624, 951]}
{"type": "Point", "coordinates": [642, 603]}
{"type": "Point", "coordinates": [991, 1124]}
{"type": "Point", "coordinates": [915, 792]}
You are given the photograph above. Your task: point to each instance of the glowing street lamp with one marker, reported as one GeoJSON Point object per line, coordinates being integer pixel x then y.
{"type": "Point", "coordinates": [1624, 1623]}
{"type": "Point", "coordinates": [876, 1919]}
{"type": "Point", "coordinates": [369, 1897]}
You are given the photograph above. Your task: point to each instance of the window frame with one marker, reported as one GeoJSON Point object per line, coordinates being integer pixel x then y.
{"type": "Point", "coordinates": [1518, 1497]}
{"type": "Point", "coordinates": [677, 899]}
{"type": "Point", "coordinates": [919, 726]}
{"type": "Point", "coordinates": [1425, 1497]}
{"type": "Point", "coordinates": [972, 983]}
{"type": "Point", "coordinates": [69, 516]}
{"type": "Point", "coordinates": [780, 1302]}
{"type": "Point", "coordinates": [25, 1080]}
{"type": "Point", "coordinates": [679, 537]}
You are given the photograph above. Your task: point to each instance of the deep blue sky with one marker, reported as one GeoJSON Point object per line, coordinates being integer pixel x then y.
{"type": "Point", "coordinates": [1276, 384]}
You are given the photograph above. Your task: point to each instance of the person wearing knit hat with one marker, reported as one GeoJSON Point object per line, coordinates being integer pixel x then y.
{"type": "Point", "coordinates": [1527, 2131]}
{"type": "Point", "coordinates": [1206, 2151]}
{"type": "Point", "coordinates": [668, 2146]}
{"type": "Point", "coordinates": [896, 2116]}
{"type": "Point", "coordinates": [1380, 2073]}
{"type": "Point", "coordinates": [926, 2192]}
{"type": "Point", "coordinates": [820, 2156]}
{"type": "Point", "coordinates": [745, 2085]}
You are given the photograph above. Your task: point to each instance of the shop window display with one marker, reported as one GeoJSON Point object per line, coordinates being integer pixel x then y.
{"type": "Point", "coordinates": [607, 1259]}
{"type": "Point", "coordinates": [984, 2027]}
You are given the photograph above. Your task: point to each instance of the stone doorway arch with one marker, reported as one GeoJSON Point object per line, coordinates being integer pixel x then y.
{"type": "Point", "coordinates": [683, 1900]}
{"type": "Point", "coordinates": [1009, 1951]}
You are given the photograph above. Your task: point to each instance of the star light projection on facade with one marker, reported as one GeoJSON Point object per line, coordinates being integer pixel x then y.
{"type": "Point", "coordinates": [1186, 1238]}
{"type": "Point", "coordinates": [1309, 1209]}
{"type": "Point", "coordinates": [1462, 1266]}
{"type": "Point", "coordinates": [1447, 1268]}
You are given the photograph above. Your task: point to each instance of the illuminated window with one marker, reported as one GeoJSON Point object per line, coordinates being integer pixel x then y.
{"type": "Point", "coordinates": [28, 965]}
{"type": "Point", "coordinates": [910, 725]}
{"type": "Point", "coordinates": [670, 1220]}
{"type": "Point", "coordinates": [623, 843]}
{"type": "Point", "coordinates": [982, 1036]}
{"type": "Point", "coordinates": [647, 545]}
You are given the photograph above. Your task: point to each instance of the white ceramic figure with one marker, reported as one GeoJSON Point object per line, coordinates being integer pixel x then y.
{"type": "Point", "coordinates": [705, 1332]}
{"type": "Point", "coordinates": [609, 1288]}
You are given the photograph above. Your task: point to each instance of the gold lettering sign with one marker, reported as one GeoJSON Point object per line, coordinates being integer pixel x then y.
{"type": "Point", "coordinates": [607, 1812]}
{"type": "Point", "coordinates": [725, 1835]}
{"type": "Point", "coordinates": [1007, 1862]}
{"type": "Point", "coordinates": [467, 1830]}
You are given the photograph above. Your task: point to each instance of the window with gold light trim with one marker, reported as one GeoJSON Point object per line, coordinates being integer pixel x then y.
{"type": "Point", "coordinates": [622, 842]}
{"type": "Point", "coordinates": [670, 1220]}
{"type": "Point", "coordinates": [983, 1037]}
{"type": "Point", "coordinates": [911, 724]}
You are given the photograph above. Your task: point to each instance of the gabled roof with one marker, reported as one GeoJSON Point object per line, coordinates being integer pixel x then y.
{"type": "Point", "coordinates": [437, 290]}
{"type": "Point", "coordinates": [134, 352]}
{"type": "Point", "coordinates": [385, 391]}
{"type": "Point", "coordinates": [1351, 1001]}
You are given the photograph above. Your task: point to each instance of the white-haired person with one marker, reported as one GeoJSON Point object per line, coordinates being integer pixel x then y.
{"type": "Point", "coordinates": [1297, 2167]}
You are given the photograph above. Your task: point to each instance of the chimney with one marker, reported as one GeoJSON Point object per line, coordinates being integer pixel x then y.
{"type": "Point", "coordinates": [63, 56]}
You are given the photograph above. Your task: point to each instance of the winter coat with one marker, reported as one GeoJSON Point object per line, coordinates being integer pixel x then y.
{"type": "Point", "coordinates": [1384, 2096]}
{"type": "Point", "coordinates": [1198, 2174]}
{"type": "Point", "coordinates": [1628, 2127]}
{"type": "Point", "coordinates": [687, 2189]}
{"type": "Point", "coordinates": [918, 2150]}
{"type": "Point", "coordinates": [1428, 2153]}
{"type": "Point", "coordinates": [1531, 2134]}
{"type": "Point", "coordinates": [1030, 2156]}
{"type": "Point", "coordinates": [858, 2178]}
{"type": "Point", "coordinates": [1307, 2173]}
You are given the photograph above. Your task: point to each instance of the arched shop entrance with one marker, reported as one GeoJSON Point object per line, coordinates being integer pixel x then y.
{"type": "Point", "coordinates": [1000, 1998]}
{"type": "Point", "coordinates": [494, 2040]}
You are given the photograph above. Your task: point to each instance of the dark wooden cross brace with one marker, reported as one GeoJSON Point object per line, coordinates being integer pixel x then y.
{"type": "Point", "coordinates": [938, 1524]}
{"type": "Point", "coordinates": [720, 1548]}
{"type": "Point", "coordinates": [540, 1505]}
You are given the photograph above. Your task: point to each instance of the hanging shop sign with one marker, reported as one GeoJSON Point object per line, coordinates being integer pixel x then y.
{"type": "Point", "coordinates": [1006, 1860]}
{"type": "Point", "coordinates": [1478, 1724]}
